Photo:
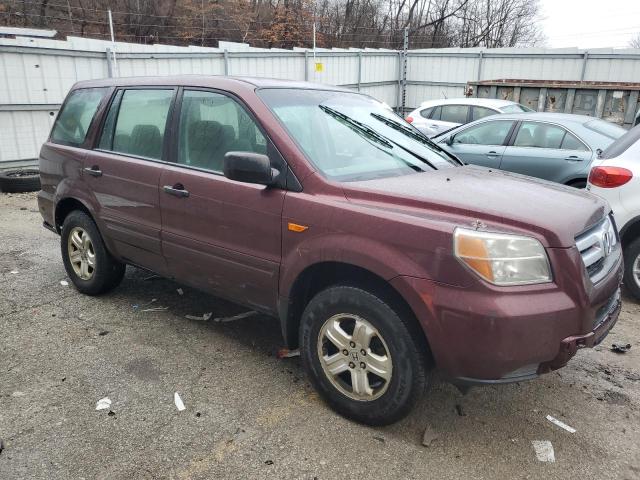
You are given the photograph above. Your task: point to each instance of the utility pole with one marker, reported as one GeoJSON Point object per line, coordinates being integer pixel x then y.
{"type": "Point", "coordinates": [113, 43]}
{"type": "Point", "coordinates": [405, 48]}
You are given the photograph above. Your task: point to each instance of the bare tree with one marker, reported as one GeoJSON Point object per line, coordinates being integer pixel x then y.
{"type": "Point", "coordinates": [635, 42]}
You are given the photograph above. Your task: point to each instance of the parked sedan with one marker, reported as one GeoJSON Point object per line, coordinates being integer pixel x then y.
{"type": "Point", "coordinates": [553, 146]}
{"type": "Point", "coordinates": [437, 116]}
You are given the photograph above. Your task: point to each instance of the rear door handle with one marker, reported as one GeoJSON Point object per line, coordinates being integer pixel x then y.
{"type": "Point", "coordinates": [94, 171]}
{"type": "Point", "coordinates": [573, 158]}
{"type": "Point", "coordinates": [491, 154]}
{"type": "Point", "coordinates": [177, 190]}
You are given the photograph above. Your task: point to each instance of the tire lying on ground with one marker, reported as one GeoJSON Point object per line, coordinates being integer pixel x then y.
{"type": "Point", "coordinates": [21, 180]}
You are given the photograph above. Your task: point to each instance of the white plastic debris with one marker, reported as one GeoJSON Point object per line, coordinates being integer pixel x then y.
{"type": "Point", "coordinates": [155, 309]}
{"type": "Point", "coordinates": [557, 422]}
{"type": "Point", "coordinates": [180, 291]}
{"type": "Point", "coordinates": [178, 401]}
{"type": "Point", "coordinates": [64, 283]}
{"type": "Point", "coordinates": [13, 272]}
{"type": "Point", "coordinates": [240, 316]}
{"type": "Point", "coordinates": [202, 318]}
{"type": "Point", "coordinates": [544, 450]}
{"type": "Point", "coordinates": [103, 403]}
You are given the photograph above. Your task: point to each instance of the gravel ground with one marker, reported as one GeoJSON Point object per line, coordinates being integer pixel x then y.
{"type": "Point", "coordinates": [249, 414]}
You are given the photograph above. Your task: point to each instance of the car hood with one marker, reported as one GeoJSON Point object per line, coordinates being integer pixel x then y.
{"type": "Point", "coordinates": [468, 195]}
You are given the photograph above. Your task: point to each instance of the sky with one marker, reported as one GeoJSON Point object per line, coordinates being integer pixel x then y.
{"type": "Point", "coordinates": [590, 23]}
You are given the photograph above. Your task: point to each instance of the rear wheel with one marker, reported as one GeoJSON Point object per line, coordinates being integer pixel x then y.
{"type": "Point", "coordinates": [632, 268]}
{"type": "Point", "coordinates": [360, 355]}
{"type": "Point", "coordinates": [91, 268]}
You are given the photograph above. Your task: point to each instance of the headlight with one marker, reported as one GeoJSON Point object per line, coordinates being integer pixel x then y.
{"type": "Point", "coordinates": [501, 258]}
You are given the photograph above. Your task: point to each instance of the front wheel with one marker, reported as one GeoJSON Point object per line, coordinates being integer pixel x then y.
{"type": "Point", "coordinates": [361, 355]}
{"type": "Point", "coordinates": [89, 265]}
{"type": "Point", "coordinates": [632, 268]}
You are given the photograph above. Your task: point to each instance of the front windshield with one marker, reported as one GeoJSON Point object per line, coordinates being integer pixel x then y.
{"type": "Point", "coordinates": [515, 108]}
{"type": "Point", "coordinates": [352, 137]}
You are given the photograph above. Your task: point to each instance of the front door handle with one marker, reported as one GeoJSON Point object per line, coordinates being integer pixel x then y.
{"type": "Point", "coordinates": [177, 190]}
{"type": "Point", "coordinates": [94, 171]}
{"type": "Point", "coordinates": [491, 154]}
{"type": "Point", "coordinates": [573, 158]}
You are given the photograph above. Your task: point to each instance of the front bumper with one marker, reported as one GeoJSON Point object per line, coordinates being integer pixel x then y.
{"type": "Point", "coordinates": [489, 335]}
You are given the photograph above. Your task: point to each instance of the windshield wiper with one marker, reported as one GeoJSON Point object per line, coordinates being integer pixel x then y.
{"type": "Point", "coordinates": [415, 134]}
{"type": "Point", "coordinates": [372, 134]}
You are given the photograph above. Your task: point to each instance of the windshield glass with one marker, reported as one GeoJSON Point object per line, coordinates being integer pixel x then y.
{"type": "Point", "coordinates": [352, 137]}
{"type": "Point", "coordinates": [515, 108]}
{"type": "Point", "coordinates": [605, 128]}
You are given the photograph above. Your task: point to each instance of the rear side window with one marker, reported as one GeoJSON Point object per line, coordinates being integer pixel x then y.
{"type": "Point", "coordinates": [480, 112]}
{"type": "Point", "coordinates": [539, 135]}
{"type": "Point", "coordinates": [73, 121]}
{"type": "Point", "coordinates": [487, 133]}
{"type": "Point", "coordinates": [425, 112]}
{"type": "Point", "coordinates": [136, 123]}
{"type": "Point", "coordinates": [211, 125]}
{"type": "Point", "coordinates": [454, 113]}
{"type": "Point", "coordinates": [571, 142]}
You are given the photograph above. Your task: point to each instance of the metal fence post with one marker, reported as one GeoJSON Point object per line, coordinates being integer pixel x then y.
{"type": "Point", "coordinates": [306, 65]}
{"type": "Point", "coordinates": [109, 62]}
{"type": "Point", "coordinates": [405, 47]}
{"type": "Point", "coordinates": [359, 69]}
{"type": "Point", "coordinates": [226, 62]}
{"type": "Point", "coordinates": [480, 57]}
{"type": "Point", "coordinates": [585, 59]}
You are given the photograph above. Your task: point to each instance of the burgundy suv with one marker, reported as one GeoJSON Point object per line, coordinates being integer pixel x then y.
{"type": "Point", "coordinates": [383, 257]}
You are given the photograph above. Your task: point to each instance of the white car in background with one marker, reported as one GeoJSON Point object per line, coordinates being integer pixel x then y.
{"type": "Point", "coordinates": [436, 116]}
{"type": "Point", "coordinates": [615, 176]}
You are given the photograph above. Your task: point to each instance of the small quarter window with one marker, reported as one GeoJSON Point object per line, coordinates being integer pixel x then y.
{"type": "Point", "coordinates": [425, 112]}
{"type": "Point", "coordinates": [73, 121]}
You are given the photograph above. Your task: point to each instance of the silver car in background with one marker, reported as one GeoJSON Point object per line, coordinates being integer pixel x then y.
{"type": "Point", "coordinates": [436, 116]}
{"type": "Point", "coordinates": [553, 146]}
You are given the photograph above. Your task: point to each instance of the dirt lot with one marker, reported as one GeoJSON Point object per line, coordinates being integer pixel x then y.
{"type": "Point", "coordinates": [249, 414]}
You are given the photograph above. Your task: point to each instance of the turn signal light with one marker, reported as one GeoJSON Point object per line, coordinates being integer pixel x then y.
{"type": "Point", "coordinates": [609, 177]}
{"type": "Point", "coordinates": [409, 119]}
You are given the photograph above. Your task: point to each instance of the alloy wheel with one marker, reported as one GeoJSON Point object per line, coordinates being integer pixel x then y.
{"type": "Point", "coordinates": [354, 357]}
{"type": "Point", "coordinates": [82, 255]}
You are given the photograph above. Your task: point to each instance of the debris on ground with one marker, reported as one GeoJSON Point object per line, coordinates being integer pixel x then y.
{"type": "Point", "coordinates": [103, 403]}
{"type": "Point", "coordinates": [64, 283]}
{"type": "Point", "coordinates": [460, 410]}
{"type": "Point", "coordinates": [180, 291]}
{"type": "Point", "coordinates": [620, 348]}
{"type": "Point", "coordinates": [240, 316]}
{"type": "Point", "coordinates": [178, 401]}
{"type": "Point", "coordinates": [102, 333]}
{"type": "Point", "coordinates": [203, 318]}
{"type": "Point", "coordinates": [428, 437]}
{"type": "Point", "coordinates": [17, 394]}
{"type": "Point", "coordinates": [544, 450]}
{"type": "Point", "coordinates": [155, 309]}
{"type": "Point", "coordinates": [560, 424]}
{"type": "Point", "coordinates": [111, 413]}
{"type": "Point", "coordinates": [268, 462]}
{"type": "Point", "coordinates": [1, 445]}
{"type": "Point", "coordinates": [286, 353]}
{"type": "Point", "coordinates": [13, 272]}
{"type": "Point", "coordinates": [380, 439]}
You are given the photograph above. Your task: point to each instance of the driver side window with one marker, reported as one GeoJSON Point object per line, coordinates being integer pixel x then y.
{"type": "Point", "coordinates": [487, 133]}
{"type": "Point", "coordinates": [212, 124]}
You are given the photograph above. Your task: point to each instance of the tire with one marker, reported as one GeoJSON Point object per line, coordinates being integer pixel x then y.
{"type": "Point", "coordinates": [389, 401]}
{"type": "Point", "coordinates": [631, 257]}
{"type": "Point", "coordinates": [106, 272]}
{"type": "Point", "coordinates": [16, 181]}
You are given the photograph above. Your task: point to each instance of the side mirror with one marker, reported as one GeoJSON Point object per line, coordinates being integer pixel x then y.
{"type": "Point", "coordinates": [449, 140]}
{"type": "Point", "coordinates": [249, 167]}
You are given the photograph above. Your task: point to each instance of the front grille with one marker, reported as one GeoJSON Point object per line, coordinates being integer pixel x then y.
{"type": "Point", "coordinates": [595, 245]}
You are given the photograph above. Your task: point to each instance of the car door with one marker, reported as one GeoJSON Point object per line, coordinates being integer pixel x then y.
{"type": "Point", "coordinates": [480, 144]}
{"type": "Point", "coordinates": [217, 234]}
{"type": "Point", "coordinates": [123, 173]}
{"type": "Point", "coordinates": [547, 151]}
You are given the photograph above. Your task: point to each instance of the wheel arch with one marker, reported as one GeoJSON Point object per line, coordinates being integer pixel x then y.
{"type": "Point", "coordinates": [65, 206]}
{"type": "Point", "coordinates": [630, 231]}
{"type": "Point", "coordinates": [321, 275]}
